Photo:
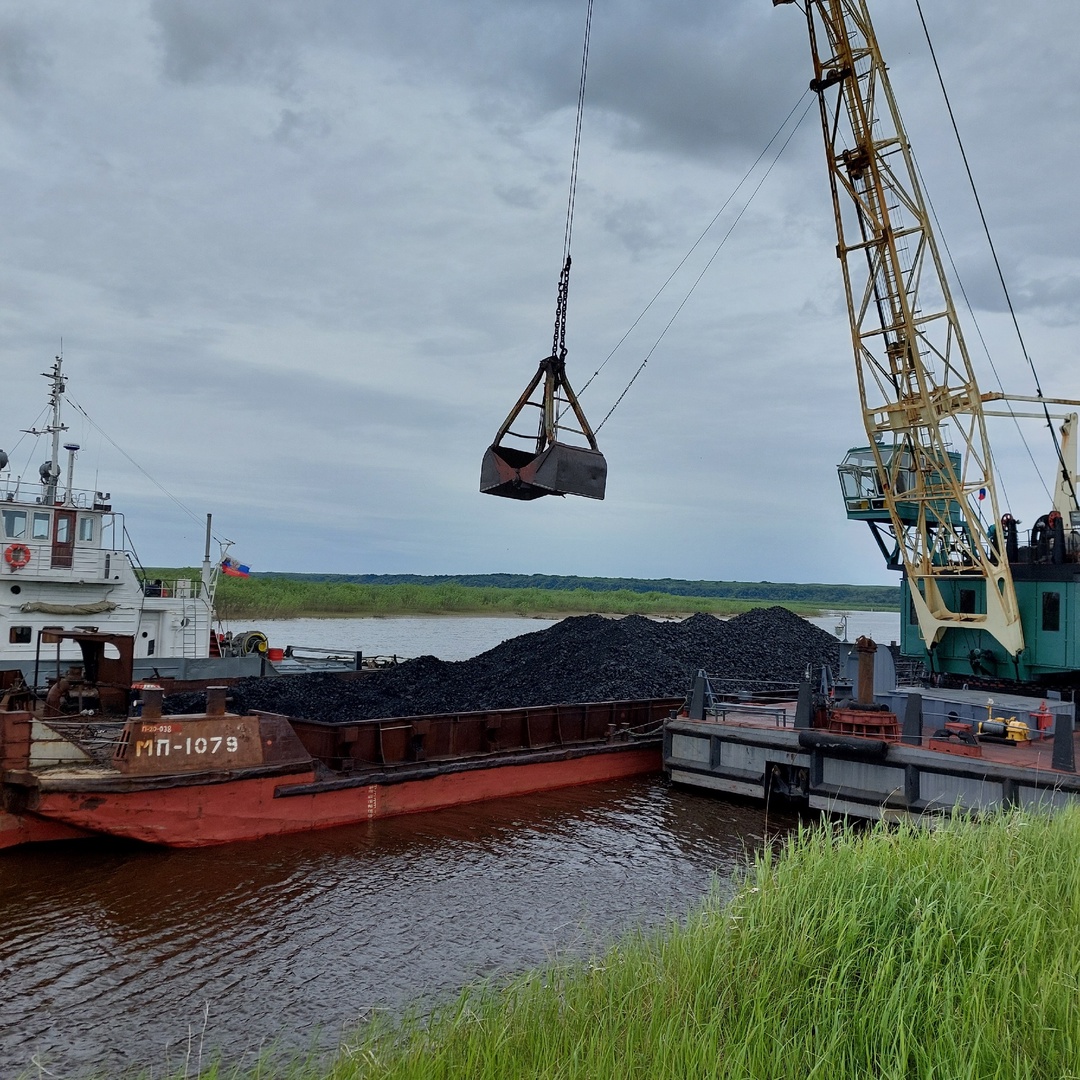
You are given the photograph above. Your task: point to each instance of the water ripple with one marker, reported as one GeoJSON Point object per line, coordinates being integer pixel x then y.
{"type": "Point", "coordinates": [111, 953]}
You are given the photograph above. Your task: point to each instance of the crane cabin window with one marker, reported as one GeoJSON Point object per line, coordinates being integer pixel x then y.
{"type": "Point", "coordinates": [15, 524]}
{"type": "Point", "coordinates": [41, 526]}
{"type": "Point", "coordinates": [1051, 611]}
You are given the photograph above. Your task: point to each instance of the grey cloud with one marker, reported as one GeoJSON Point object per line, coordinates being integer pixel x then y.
{"type": "Point", "coordinates": [687, 80]}
{"type": "Point", "coordinates": [303, 251]}
{"type": "Point", "coordinates": [1058, 297]}
{"type": "Point", "coordinates": [636, 225]}
{"type": "Point", "coordinates": [24, 60]}
{"type": "Point", "coordinates": [296, 126]}
{"type": "Point", "coordinates": [230, 41]}
{"type": "Point", "coordinates": [1053, 297]}
{"type": "Point", "coordinates": [519, 195]}
{"type": "Point", "coordinates": [694, 92]}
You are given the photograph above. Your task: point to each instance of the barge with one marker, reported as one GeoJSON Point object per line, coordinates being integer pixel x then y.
{"type": "Point", "coordinates": [76, 765]}
{"type": "Point", "coordinates": [896, 752]}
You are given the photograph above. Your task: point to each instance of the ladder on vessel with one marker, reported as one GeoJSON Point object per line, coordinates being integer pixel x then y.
{"type": "Point", "coordinates": [189, 625]}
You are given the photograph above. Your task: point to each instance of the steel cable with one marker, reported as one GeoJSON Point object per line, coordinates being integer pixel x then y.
{"type": "Point", "coordinates": [712, 258]}
{"type": "Point", "coordinates": [558, 346]}
{"type": "Point", "coordinates": [994, 254]}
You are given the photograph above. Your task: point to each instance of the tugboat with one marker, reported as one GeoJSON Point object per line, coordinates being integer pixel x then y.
{"type": "Point", "coordinates": [68, 565]}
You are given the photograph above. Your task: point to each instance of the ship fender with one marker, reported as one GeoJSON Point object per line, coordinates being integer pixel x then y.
{"type": "Point", "coordinates": [853, 747]}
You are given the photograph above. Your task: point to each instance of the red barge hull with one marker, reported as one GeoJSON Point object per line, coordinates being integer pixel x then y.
{"type": "Point", "coordinates": [251, 809]}
{"type": "Point", "coordinates": [274, 776]}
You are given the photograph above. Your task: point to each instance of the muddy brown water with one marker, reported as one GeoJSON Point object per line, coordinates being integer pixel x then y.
{"type": "Point", "coordinates": [121, 957]}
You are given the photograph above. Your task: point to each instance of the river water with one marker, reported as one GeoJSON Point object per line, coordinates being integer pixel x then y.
{"type": "Point", "coordinates": [117, 957]}
{"type": "Point", "coordinates": [114, 956]}
{"type": "Point", "coordinates": [461, 637]}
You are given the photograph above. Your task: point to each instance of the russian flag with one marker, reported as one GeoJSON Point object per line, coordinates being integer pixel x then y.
{"type": "Point", "coordinates": [234, 569]}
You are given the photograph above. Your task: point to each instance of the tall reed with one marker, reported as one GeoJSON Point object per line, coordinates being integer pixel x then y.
{"type": "Point", "coordinates": [888, 953]}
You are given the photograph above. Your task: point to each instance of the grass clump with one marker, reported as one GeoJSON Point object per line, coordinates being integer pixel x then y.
{"type": "Point", "coordinates": [888, 952]}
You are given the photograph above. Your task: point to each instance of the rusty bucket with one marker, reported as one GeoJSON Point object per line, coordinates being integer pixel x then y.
{"type": "Point", "coordinates": [559, 470]}
{"type": "Point", "coordinates": [548, 466]}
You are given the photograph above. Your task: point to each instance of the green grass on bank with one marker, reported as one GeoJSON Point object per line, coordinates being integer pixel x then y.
{"type": "Point", "coordinates": [278, 596]}
{"type": "Point", "coordinates": [269, 598]}
{"type": "Point", "coordinates": [896, 953]}
{"type": "Point", "coordinates": [777, 592]}
{"type": "Point", "coordinates": [885, 953]}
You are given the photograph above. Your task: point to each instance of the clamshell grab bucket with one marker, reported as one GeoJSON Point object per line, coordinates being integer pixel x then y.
{"type": "Point", "coordinates": [549, 466]}
{"type": "Point", "coordinates": [558, 470]}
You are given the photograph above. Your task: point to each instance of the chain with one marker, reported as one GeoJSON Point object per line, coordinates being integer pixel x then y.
{"type": "Point", "coordinates": [558, 344]}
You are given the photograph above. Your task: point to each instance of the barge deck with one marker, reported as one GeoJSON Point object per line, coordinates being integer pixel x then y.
{"type": "Point", "coordinates": [755, 751]}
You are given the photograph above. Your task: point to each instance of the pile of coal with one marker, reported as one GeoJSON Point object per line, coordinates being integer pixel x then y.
{"type": "Point", "coordinates": [588, 658]}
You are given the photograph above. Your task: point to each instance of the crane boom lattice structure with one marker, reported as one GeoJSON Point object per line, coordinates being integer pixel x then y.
{"type": "Point", "coordinates": [928, 474]}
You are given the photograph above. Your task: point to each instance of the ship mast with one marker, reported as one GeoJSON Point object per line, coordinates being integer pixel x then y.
{"type": "Point", "coordinates": [921, 404]}
{"type": "Point", "coordinates": [50, 470]}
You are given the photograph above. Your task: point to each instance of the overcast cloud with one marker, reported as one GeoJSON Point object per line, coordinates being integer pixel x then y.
{"type": "Point", "coordinates": [303, 260]}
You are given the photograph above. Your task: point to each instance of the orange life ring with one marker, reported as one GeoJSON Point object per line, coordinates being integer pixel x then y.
{"type": "Point", "coordinates": [17, 556]}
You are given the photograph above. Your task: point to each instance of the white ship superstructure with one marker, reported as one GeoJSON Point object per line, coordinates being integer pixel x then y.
{"type": "Point", "coordinates": [67, 564]}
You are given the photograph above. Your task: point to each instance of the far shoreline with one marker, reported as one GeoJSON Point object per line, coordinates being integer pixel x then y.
{"type": "Point", "coordinates": [279, 596]}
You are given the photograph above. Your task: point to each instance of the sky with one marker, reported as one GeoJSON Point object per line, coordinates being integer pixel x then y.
{"type": "Point", "coordinates": [302, 259]}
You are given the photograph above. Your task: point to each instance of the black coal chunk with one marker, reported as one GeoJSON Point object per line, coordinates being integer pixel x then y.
{"type": "Point", "coordinates": [587, 658]}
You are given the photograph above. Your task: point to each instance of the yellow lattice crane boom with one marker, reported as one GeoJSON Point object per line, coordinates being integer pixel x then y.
{"type": "Point", "coordinates": [921, 404]}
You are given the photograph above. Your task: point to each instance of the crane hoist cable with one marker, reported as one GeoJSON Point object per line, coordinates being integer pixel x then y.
{"type": "Point", "coordinates": [704, 232]}
{"type": "Point", "coordinates": [997, 262]}
{"type": "Point", "coordinates": [697, 281]}
{"type": "Point", "coordinates": [551, 466]}
{"type": "Point", "coordinates": [558, 344]}
{"type": "Point", "coordinates": [969, 307]}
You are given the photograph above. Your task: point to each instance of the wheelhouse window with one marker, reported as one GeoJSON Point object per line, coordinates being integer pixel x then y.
{"type": "Point", "coordinates": [41, 526]}
{"type": "Point", "coordinates": [19, 635]}
{"type": "Point", "coordinates": [15, 524]}
{"type": "Point", "coordinates": [1051, 611]}
{"type": "Point", "coordinates": [86, 530]}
